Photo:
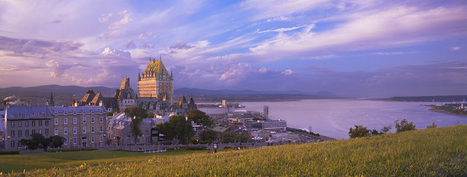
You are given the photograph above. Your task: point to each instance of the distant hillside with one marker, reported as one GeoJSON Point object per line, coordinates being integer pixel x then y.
{"type": "Point", "coordinates": [40, 94]}
{"type": "Point", "coordinates": [428, 152]}
{"type": "Point", "coordinates": [447, 98]}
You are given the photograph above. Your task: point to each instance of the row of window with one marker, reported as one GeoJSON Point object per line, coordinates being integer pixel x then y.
{"type": "Point", "coordinates": [36, 114]}
{"type": "Point", "coordinates": [75, 120]}
{"type": "Point", "coordinates": [75, 130]}
{"type": "Point", "coordinates": [26, 123]}
{"type": "Point", "coordinates": [73, 140]}
{"type": "Point", "coordinates": [74, 111]}
{"type": "Point", "coordinates": [26, 132]}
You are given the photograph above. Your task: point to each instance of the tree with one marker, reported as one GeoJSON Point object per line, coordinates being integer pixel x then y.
{"type": "Point", "coordinates": [432, 126]}
{"type": "Point", "coordinates": [235, 137]}
{"type": "Point", "coordinates": [404, 126]}
{"type": "Point", "coordinates": [200, 117]}
{"type": "Point", "coordinates": [56, 141]}
{"type": "Point", "coordinates": [178, 127]}
{"type": "Point", "coordinates": [359, 131]}
{"type": "Point", "coordinates": [36, 141]}
{"type": "Point", "coordinates": [137, 114]}
{"type": "Point", "coordinates": [207, 136]}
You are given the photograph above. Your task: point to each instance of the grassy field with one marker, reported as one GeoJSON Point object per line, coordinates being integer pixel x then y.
{"type": "Point", "coordinates": [20, 162]}
{"type": "Point", "coordinates": [429, 152]}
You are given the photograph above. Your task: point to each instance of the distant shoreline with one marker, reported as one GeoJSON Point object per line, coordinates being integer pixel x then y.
{"type": "Point", "coordinates": [435, 108]}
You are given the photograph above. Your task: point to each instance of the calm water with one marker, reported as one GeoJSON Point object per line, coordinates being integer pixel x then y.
{"type": "Point", "coordinates": [334, 117]}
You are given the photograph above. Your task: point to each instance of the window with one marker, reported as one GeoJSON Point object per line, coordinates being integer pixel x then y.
{"type": "Point", "coordinates": [19, 143]}
{"type": "Point", "coordinates": [70, 140]}
{"type": "Point", "coordinates": [75, 120]}
{"type": "Point", "coordinates": [92, 139]}
{"type": "Point", "coordinates": [92, 129]}
{"type": "Point", "coordinates": [33, 123]}
{"type": "Point", "coordinates": [75, 130]}
{"type": "Point", "coordinates": [128, 134]}
{"type": "Point", "coordinates": [101, 119]}
{"type": "Point", "coordinates": [46, 122]}
{"type": "Point", "coordinates": [26, 124]}
{"type": "Point", "coordinates": [65, 130]}
{"type": "Point", "coordinates": [56, 121]}
{"type": "Point", "coordinates": [75, 140]}
{"type": "Point", "coordinates": [101, 138]}
{"type": "Point", "coordinates": [12, 133]}
{"type": "Point", "coordinates": [40, 131]}
{"type": "Point", "coordinates": [19, 123]}
{"type": "Point", "coordinates": [65, 121]}
{"type": "Point", "coordinates": [33, 131]}
{"type": "Point", "coordinates": [40, 123]}
{"type": "Point", "coordinates": [84, 129]}
{"type": "Point", "coordinates": [26, 133]}
{"type": "Point", "coordinates": [84, 120]}
{"type": "Point", "coordinates": [46, 132]}
{"type": "Point", "coordinates": [20, 133]}
{"type": "Point", "coordinates": [65, 142]}
{"type": "Point", "coordinates": [12, 124]}
{"type": "Point", "coordinates": [101, 129]}
{"type": "Point", "coordinates": [12, 144]}
{"type": "Point", "coordinates": [55, 131]}
{"type": "Point", "coordinates": [92, 119]}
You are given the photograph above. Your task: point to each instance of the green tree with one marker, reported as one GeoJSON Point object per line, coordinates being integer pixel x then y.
{"type": "Point", "coordinates": [36, 141]}
{"type": "Point", "coordinates": [235, 137]}
{"type": "Point", "coordinates": [433, 125]}
{"type": "Point", "coordinates": [137, 114]}
{"type": "Point", "coordinates": [207, 136]}
{"type": "Point", "coordinates": [200, 117]}
{"type": "Point", "coordinates": [56, 141]}
{"type": "Point", "coordinates": [178, 127]}
{"type": "Point", "coordinates": [359, 131]}
{"type": "Point", "coordinates": [404, 125]}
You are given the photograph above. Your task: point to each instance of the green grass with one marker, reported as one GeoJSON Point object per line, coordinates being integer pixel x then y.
{"type": "Point", "coordinates": [429, 152]}
{"type": "Point", "coordinates": [20, 162]}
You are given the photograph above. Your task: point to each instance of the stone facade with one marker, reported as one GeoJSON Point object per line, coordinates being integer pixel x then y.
{"type": "Point", "coordinates": [155, 82]}
{"type": "Point", "coordinates": [81, 126]}
{"type": "Point", "coordinates": [22, 121]}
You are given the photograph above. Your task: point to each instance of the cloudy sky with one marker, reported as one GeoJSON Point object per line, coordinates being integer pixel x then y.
{"type": "Point", "coordinates": [361, 48]}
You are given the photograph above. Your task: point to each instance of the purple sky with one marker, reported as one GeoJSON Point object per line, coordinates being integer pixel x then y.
{"type": "Point", "coordinates": [361, 48]}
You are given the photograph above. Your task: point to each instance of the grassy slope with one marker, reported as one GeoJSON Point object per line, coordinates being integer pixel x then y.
{"type": "Point", "coordinates": [440, 151]}
{"type": "Point", "coordinates": [22, 162]}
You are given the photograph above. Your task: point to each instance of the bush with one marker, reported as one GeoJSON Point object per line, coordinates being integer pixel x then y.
{"type": "Point", "coordinates": [72, 149]}
{"type": "Point", "coordinates": [359, 131]}
{"type": "Point", "coordinates": [8, 152]}
{"type": "Point", "coordinates": [432, 126]}
{"type": "Point", "coordinates": [404, 126]}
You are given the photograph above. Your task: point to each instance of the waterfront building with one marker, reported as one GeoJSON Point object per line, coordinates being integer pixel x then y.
{"type": "Point", "coordinates": [81, 126]}
{"type": "Point", "coordinates": [278, 125]}
{"type": "Point", "coordinates": [155, 82]}
{"type": "Point", "coordinates": [22, 121]}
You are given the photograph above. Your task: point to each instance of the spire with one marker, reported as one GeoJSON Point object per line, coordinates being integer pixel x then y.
{"type": "Point", "coordinates": [51, 99]}
{"type": "Point", "coordinates": [139, 76]}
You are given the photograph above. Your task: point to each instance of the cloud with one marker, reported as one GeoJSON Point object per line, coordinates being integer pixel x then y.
{"type": "Point", "coordinates": [280, 30]}
{"type": "Point", "coordinates": [275, 8]}
{"type": "Point", "coordinates": [287, 72]}
{"type": "Point", "coordinates": [455, 48]}
{"type": "Point", "coordinates": [115, 27]}
{"type": "Point", "coordinates": [181, 45]}
{"type": "Point", "coordinates": [57, 69]}
{"type": "Point", "coordinates": [34, 46]}
{"type": "Point", "coordinates": [118, 53]}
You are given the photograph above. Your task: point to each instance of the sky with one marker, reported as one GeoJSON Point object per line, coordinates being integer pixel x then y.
{"type": "Point", "coordinates": [355, 48]}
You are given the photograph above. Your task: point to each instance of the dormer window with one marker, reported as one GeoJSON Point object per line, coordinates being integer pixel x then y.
{"type": "Point", "coordinates": [36, 114]}
{"type": "Point", "coordinates": [65, 111]}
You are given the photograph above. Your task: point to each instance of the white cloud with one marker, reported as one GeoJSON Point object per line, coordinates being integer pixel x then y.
{"type": "Point", "coordinates": [277, 8]}
{"type": "Point", "coordinates": [118, 53]}
{"type": "Point", "coordinates": [280, 30]}
{"type": "Point", "coordinates": [455, 48]}
{"type": "Point", "coordinates": [287, 72]}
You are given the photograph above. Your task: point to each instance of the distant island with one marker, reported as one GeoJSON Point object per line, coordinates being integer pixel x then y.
{"type": "Point", "coordinates": [439, 98]}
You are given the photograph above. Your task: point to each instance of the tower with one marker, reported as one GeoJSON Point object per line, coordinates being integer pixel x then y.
{"type": "Point", "coordinates": [155, 82]}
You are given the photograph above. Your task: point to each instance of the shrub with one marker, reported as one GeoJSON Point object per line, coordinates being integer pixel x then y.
{"type": "Point", "coordinates": [404, 126]}
{"type": "Point", "coordinates": [359, 131]}
{"type": "Point", "coordinates": [8, 152]}
{"type": "Point", "coordinates": [432, 126]}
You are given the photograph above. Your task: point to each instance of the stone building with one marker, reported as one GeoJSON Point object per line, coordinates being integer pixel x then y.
{"type": "Point", "coordinates": [22, 121]}
{"type": "Point", "coordinates": [155, 82]}
{"type": "Point", "coordinates": [125, 96]}
{"type": "Point", "coordinates": [81, 126]}
{"type": "Point", "coordinates": [119, 130]}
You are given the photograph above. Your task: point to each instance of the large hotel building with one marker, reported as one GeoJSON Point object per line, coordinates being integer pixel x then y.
{"type": "Point", "coordinates": [155, 82]}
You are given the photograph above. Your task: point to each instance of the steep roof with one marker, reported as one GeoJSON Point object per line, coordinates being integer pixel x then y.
{"type": "Point", "coordinates": [27, 112]}
{"type": "Point", "coordinates": [88, 96]}
{"type": "Point", "coordinates": [183, 100]}
{"type": "Point", "coordinates": [156, 69]}
{"type": "Point", "coordinates": [125, 91]}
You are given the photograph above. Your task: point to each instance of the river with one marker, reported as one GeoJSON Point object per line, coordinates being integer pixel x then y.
{"type": "Point", "coordinates": [334, 117]}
